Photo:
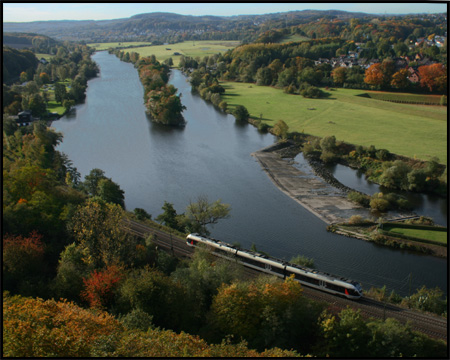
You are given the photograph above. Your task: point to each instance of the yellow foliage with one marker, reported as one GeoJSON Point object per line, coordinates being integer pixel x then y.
{"type": "Point", "coordinates": [38, 328]}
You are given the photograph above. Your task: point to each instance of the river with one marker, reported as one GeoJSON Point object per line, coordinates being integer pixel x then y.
{"type": "Point", "coordinates": [211, 156]}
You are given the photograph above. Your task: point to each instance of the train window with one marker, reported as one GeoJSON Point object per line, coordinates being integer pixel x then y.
{"type": "Point", "coordinates": [353, 292]}
{"type": "Point", "coordinates": [278, 270]}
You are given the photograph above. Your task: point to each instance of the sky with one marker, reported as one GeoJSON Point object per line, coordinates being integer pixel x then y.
{"type": "Point", "coordinates": [24, 12]}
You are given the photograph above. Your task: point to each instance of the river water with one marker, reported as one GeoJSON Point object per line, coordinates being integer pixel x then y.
{"type": "Point", "coordinates": [424, 204]}
{"type": "Point", "coordinates": [211, 156]}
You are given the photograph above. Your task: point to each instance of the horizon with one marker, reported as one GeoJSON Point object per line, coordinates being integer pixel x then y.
{"type": "Point", "coordinates": [31, 12]}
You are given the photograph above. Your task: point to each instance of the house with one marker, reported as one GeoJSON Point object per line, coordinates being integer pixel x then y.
{"type": "Point", "coordinates": [414, 75]}
{"type": "Point", "coordinates": [43, 61]}
{"type": "Point", "coordinates": [25, 118]}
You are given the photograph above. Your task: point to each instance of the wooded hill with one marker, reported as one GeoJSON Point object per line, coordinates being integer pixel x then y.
{"type": "Point", "coordinates": [167, 27]}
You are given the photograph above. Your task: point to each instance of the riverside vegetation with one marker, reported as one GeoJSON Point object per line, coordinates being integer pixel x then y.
{"type": "Point", "coordinates": [46, 86]}
{"type": "Point", "coordinates": [161, 100]}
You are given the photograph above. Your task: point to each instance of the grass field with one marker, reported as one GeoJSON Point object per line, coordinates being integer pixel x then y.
{"type": "Point", "coordinates": [45, 56]}
{"type": "Point", "coordinates": [163, 52]}
{"type": "Point", "coordinates": [106, 46]}
{"type": "Point", "coordinates": [294, 38]}
{"type": "Point", "coordinates": [438, 236]}
{"type": "Point", "coordinates": [410, 130]}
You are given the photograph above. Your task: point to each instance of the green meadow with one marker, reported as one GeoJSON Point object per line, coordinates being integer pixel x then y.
{"type": "Point", "coordinates": [294, 38]}
{"type": "Point", "coordinates": [415, 131]}
{"type": "Point", "coordinates": [433, 235]}
{"type": "Point", "coordinates": [106, 46]}
{"type": "Point", "coordinates": [187, 48]}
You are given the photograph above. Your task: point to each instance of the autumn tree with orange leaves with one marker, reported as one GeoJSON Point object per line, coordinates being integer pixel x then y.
{"type": "Point", "coordinates": [433, 77]}
{"type": "Point", "coordinates": [99, 287]}
{"type": "Point", "coordinates": [374, 75]}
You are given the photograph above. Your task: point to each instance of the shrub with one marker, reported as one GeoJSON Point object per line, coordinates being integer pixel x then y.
{"type": "Point", "coordinates": [303, 261]}
{"type": "Point", "coordinates": [356, 220]}
{"type": "Point", "coordinates": [223, 105]}
{"type": "Point", "coordinates": [241, 113]}
{"type": "Point", "coordinates": [328, 157]}
{"type": "Point", "coordinates": [359, 198]}
{"type": "Point", "coordinates": [263, 127]}
{"type": "Point", "coordinates": [379, 204]}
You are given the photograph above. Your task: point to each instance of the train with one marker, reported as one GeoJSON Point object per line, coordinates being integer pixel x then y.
{"type": "Point", "coordinates": [305, 276]}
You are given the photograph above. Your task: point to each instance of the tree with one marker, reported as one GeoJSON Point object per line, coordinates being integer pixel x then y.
{"type": "Point", "coordinates": [60, 92]}
{"type": "Point", "coordinates": [395, 175]}
{"type": "Point", "coordinates": [151, 291]}
{"type": "Point", "coordinates": [328, 143]}
{"type": "Point", "coordinates": [91, 181]}
{"type": "Point", "coordinates": [281, 129]}
{"type": "Point", "coordinates": [45, 78]}
{"type": "Point", "coordinates": [68, 104]}
{"type": "Point", "coordinates": [241, 113]}
{"type": "Point", "coordinates": [434, 77]}
{"type": "Point", "coordinates": [374, 75]}
{"type": "Point", "coordinates": [339, 75]}
{"type": "Point", "coordinates": [400, 79]}
{"type": "Point", "coordinates": [96, 227]}
{"type": "Point", "coordinates": [23, 259]}
{"type": "Point", "coordinates": [263, 76]}
{"type": "Point", "coordinates": [169, 216]}
{"type": "Point", "coordinates": [202, 278]}
{"type": "Point", "coordinates": [267, 314]}
{"type": "Point", "coordinates": [38, 328]}
{"type": "Point", "coordinates": [100, 286]}
{"type": "Point", "coordinates": [71, 270]}
{"type": "Point", "coordinates": [110, 192]}
{"type": "Point", "coordinates": [347, 336]}
{"type": "Point", "coordinates": [204, 213]}
{"type": "Point", "coordinates": [37, 105]}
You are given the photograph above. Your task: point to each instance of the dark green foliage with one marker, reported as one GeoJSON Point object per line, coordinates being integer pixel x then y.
{"type": "Point", "coordinates": [169, 217]}
{"type": "Point", "coordinates": [110, 192]}
{"type": "Point", "coordinates": [302, 261]}
{"type": "Point", "coordinates": [60, 92]}
{"type": "Point", "coordinates": [359, 198]}
{"type": "Point", "coordinates": [17, 61]}
{"type": "Point", "coordinates": [137, 319]}
{"type": "Point", "coordinates": [241, 113]}
{"type": "Point", "coordinates": [157, 295]}
{"type": "Point", "coordinates": [68, 283]}
{"type": "Point", "coordinates": [141, 214]}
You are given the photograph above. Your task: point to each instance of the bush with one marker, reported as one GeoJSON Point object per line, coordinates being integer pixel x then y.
{"type": "Point", "coordinates": [379, 204]}
{"type": "Point", "coordinates": [263, 127]}
{"type": "Point", "coordinates": [359, 198]}
{"type": "Point", "coordinates": [356, 220]}
{"type": "Point", "coordinates": [303, 261]}
{"type": "Point", "coordinates": [223, 105]}
{"type": "Point", "coordinates": [383, 154]}
{"type": "Point", "coordinates": [137, 319]}
{"type": "Point", "coordinates": [241, 113]}
{"type": "Point", "coordinates": [328, 157]}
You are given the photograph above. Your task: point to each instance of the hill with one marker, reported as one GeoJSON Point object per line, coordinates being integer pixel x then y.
{"type": "Point", "coordinates": [170, 27]}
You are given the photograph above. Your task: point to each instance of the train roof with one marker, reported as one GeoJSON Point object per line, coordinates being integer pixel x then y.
{"type": "Point", "coordinates": [276, 260]}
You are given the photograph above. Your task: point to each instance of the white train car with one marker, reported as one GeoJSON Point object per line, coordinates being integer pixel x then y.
{"type": "Point", "coordinates": [309, 277]}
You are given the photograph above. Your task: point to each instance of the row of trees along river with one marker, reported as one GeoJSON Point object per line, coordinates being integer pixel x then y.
{"type": "Point", "coordinates": [211, 156]}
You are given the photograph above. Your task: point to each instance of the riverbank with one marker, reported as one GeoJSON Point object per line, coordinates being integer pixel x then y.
{"type": "Point", "coordinates": [327, 202]}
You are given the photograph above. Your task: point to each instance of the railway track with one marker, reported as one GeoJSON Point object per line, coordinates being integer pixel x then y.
{"type": "Point", "coordinates": [428, 324]}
